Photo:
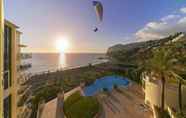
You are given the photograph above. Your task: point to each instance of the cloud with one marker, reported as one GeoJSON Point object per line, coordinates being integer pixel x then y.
{"type": "Point", "coordinates": [182, 20]}
{"type": "Point", "coordinates": [166, 26]}
{"type": "Point", "coordinates": [151, 31]}
{"type": "Point", "coordinates": [183, 10]}
{"type": "Point", "coordinates": [170, 17]}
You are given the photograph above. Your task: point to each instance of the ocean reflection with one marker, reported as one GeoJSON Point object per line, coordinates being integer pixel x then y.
{"type": "Point", "coordinates": [42, 62]}
{"type": "Point", "coordinates": [62, 60]}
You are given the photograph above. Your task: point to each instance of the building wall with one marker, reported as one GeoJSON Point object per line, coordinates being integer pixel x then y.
{"type": "Point", "coordinates": [12, 88]}
{"type": "Point", "coordinates": [14, 72]}
{"type": "Point", "coordinates": [153, 95]}
{"type": "Point", "coordinates": [1, 56]}
{"type": "Point", "coordinates": [18, 59]}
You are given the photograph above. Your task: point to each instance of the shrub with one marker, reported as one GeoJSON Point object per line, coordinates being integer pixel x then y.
{"type": "Point", "coordinates": [72, 99]}
{"type": "Point", "coordinates": [77, 106]}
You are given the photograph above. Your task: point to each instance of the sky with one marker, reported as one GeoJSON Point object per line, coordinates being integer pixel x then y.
{"type": "Point", "coordinates": [125, 21]}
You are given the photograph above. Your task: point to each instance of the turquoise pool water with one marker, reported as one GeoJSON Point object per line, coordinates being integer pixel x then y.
{"type": "Point", "coordinates": [105, 82]}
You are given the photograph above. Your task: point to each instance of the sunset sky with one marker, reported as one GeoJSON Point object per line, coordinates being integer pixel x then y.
{"type": "Point", "coordinates": [44, 21]}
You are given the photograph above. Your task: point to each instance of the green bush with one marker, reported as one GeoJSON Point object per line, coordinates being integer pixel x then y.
{"type": "Point", "coordinates": [134, 74]}
{"type": "Point", "coordinates": [72, 99]}
{"type": "Point", "coordinates": [77, 106]}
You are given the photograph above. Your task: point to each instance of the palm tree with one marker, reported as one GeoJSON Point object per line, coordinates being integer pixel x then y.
{"type": "Point", "coordinates": [161, 64]}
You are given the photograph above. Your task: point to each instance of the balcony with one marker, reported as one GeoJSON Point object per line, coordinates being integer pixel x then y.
{"type": "Point", "coordinates": [25, 55]}
{"type": "Point", "coordinates": [25, 66]}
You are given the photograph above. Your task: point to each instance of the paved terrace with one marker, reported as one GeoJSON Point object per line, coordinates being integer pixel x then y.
{"type": "Point", "coordinates": [121, 103]}
{"type": "Point", "coordinates": [124, 103]}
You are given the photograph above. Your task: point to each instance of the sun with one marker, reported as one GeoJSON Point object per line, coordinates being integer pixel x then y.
{"type": "Point", "coordinates": [62, 44]}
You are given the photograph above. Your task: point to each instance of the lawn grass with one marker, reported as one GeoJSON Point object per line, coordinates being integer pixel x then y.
{"type": "Point", "coordinates": [77, 106]}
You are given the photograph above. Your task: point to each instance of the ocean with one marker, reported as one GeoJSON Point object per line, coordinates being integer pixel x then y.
{"type": "Point", "coordinates": [42, 62]}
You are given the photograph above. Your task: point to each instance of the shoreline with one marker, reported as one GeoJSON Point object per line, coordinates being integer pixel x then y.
{"type": "Point", "coordinates": [30, 75]}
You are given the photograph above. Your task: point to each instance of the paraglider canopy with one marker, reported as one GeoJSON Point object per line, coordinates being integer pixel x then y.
{"type": "Point", "coordinates": [99, 10]}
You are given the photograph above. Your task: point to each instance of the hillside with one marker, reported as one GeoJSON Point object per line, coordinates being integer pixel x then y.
{"type": "Point", "coordinates": [136, 53]}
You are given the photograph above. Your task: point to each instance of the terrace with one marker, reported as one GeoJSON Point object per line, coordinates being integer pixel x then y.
{"type": "Point", "coordinates": [125, 103]}
{"type": "Point", "coordinates": [121, 102]}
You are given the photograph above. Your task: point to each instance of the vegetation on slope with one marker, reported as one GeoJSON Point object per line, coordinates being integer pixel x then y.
{"type": "Point", "coordinates": [136, 54]}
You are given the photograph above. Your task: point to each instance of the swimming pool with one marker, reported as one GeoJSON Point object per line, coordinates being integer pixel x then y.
{"type": "Point", "coordinates": [105, 82]}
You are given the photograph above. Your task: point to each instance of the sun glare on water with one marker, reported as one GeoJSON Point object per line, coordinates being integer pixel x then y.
{"type": "Point", "coordinates": [62, 44]}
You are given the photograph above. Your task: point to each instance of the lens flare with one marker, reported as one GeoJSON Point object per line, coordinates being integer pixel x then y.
{"type": "Point", "coordinates": [62, 44]}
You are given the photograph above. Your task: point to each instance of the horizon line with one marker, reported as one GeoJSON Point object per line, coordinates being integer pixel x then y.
{"type": "Point", "coordinates": [69, 52]}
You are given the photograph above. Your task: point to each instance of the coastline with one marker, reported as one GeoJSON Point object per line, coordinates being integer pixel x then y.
{"type": "Point", "coordinates": [44, 62]}
{"type": "Point", "coordinates": [30, 75]}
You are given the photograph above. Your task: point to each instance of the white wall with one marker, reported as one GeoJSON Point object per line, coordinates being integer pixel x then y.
{"type": "Point", "coordinates": [153, 95]}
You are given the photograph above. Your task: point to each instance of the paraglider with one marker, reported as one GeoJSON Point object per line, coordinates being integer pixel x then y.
{"type": "Point", "coordinates": [99, 12]}
{"type": "Point", "coordinates": [96, 29]}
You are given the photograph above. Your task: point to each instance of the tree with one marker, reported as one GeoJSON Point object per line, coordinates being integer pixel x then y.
{"type": "Point", "coordinates": [161, 65]}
